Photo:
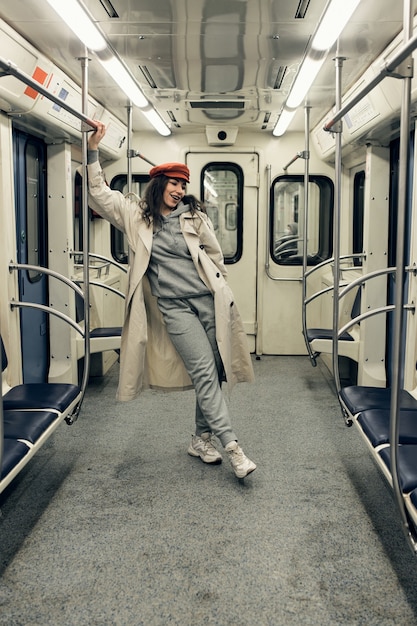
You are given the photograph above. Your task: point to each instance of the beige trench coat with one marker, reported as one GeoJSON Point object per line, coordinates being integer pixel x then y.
{"type": "Point", "coordinates": [147, 357]}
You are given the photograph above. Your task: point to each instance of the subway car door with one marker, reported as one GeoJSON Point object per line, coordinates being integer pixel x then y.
{"type": "Point", "coordinates": [31, 237]}
{"type": "Point", "coordinates": [228, 184]}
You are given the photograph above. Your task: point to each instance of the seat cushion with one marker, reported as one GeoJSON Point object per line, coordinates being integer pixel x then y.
{"type": "Point", "coordinates": [13, 452]}
{"type": "Point", "coordinates": [407, 465]}
{"type": "Point", "coordinates": [28, 425]}
{"type": "Point", "coordinates": [375, 424]}
{"type": "Point", "coordinates": [358, 399]}
{"type": "Point", "coordinates": [324, 333]}
{"type": "Point", "coordinates": [56, 396]}
{"type": "Point", "coordinates": [111, 331]}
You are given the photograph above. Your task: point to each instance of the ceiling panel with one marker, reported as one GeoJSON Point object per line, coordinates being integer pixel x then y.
{"type": "Point", "coordinates": [183, 51]}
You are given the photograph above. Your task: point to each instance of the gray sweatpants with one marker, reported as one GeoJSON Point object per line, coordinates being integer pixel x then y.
{"type": "Point", "coordinates": [190, 323]}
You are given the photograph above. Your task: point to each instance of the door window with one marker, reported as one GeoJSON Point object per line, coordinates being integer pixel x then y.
{"type": "Point", "coordinates": [222, 193]}
{"type": "Point", "coordinates": [287, 220]}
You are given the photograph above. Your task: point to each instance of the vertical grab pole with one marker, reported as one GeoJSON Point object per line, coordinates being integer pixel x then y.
{"type": "Point", "coordinates": [129, 160]}
{"type": "Point", "coordinates": [259, 305]}
{"type": "Point", "coordinates": [398, 349]}
{"type": "Point", "coordinates": [86, 236]}
{"type": "Point", "coordinates": [305, 227]}
{"type": "Point", "coordinates": [336, 224]}
{"type": "Point", "coordinates": [129, 147]}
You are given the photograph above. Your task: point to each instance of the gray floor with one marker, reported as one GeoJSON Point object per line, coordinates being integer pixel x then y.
{"type": "Point", "coordinates": [113, 523]}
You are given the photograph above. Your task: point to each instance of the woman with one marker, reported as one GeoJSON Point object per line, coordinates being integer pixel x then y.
{"type": "Point", "coordinates": [182, 328]}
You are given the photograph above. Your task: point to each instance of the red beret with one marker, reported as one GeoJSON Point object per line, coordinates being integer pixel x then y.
{"type": "Point", "coordinates": [172, 170]}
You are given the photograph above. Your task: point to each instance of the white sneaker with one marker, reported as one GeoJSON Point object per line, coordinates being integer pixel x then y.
{"type": "Point", "coordinates": [204, 448]}
{"type": "Point", "coordinates": [242, 466]}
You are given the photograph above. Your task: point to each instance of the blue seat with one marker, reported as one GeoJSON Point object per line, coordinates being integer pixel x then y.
{"type": "Point", "coordinates": [13, 453]}
{"type": "Point", "coordinates": [31, 410]}
{"type": "Point", "coordinates": [358, 399]}
{"type": "Point", "coordinates": [109, 331]}
{"type": "Point", "coordinates": [325, 333]}
{"type": "Point", "coordinates": [375, 424]}
{"type": "Point", "coordinates": [407, 465]}
{"type": "Point", "coordinates": [27, 425]}
{"type": "Point", "coordinates": [56, 396]}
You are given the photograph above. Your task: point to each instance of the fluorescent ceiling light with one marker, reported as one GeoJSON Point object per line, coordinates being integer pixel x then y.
{"type": "Point", "coordinates": [333, 22]}
{"type": "Point", "coordinates": [80, 23]}
{"type": "Point", "coordinates": [157, 122]}
{"type": "Point", "coordinates": [121, 76]}
{"type": "Point", "coordinates": [84, 27]}
{"type": "Point", "coordinates": [303, 81]}
{"type": "Point", "coordinates": [284, 121]}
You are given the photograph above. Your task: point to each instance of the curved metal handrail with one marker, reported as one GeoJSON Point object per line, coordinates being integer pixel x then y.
{"type": "Point", "coordinates": [102, 258]}
{"type": "Point", "coordinates": [42, 307]}
{"type": "Point", "coordinates": [343, 257]}
{"type": "Point", "coordinates": [96, 283]}
{"type": "Point", "coordinates": [47, 272]}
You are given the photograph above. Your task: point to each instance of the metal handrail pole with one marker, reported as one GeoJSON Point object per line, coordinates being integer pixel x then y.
{"type": "Point", "coordinates": [96, 283]}
{"type": "Point", "coordinates": [86, 242]}
{"type": "Point", "coordinates": [129, 147]}
{"type": "Point", "coordinates": [363, 279]}
{"type": "Point", "coordinates": [93, 255]}
{"type": "Point", "coordinates": [284, 246]}
{"type": "Point", "coordinates": [313, 269]}
{"type": "Point", "coordinates": [305, 228]}
{"type": "Point", "coordinates": [349, 286]}
{"type": "Point", "coordinates": [336, 225]}
{"type": "Point", "coordinates": [343, 257]}
{"type": "Point", "coordinates": [293, 160]}
{"type": "Point", "coordinates": [14, 304]}
{"type": "Point", "coordinates": [387, 308]}
{"type": "Point", "coordinates": [268, 222]}
{"type": "Point", "coordinates": [398, 347]}
{"type": "Point", "coordinates": [48, 272]}
{"type": "Point", "coordinates": [317, 294]}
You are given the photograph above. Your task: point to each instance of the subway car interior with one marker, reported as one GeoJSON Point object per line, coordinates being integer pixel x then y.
{"type": "Point", "coordinates": [296, 119]}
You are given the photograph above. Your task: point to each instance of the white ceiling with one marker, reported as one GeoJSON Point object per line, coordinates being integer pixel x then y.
{"type": "Point", "coordinates": [199, 53]}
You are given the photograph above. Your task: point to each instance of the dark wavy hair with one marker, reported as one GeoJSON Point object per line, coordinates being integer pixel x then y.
{"type": "Point", "coordinates": [152, 201]}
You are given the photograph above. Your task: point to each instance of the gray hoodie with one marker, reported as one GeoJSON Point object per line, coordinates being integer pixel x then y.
{"type": "Point", "coordinates": [171, 271]}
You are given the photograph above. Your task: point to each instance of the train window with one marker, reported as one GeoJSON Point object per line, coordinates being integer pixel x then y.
{"type": "Point", "coordinates": [119, 245]}
{"type": "Point", "coordinates": [33, 199]}
{"type": "Point", "coordinates": [358, 210]}
{"type": "Point", "coordinates": [222, 191]}
{"type": "Point", "coordinates": [287, 219]}
{"type": "Point", "coordinates": [78, 208]}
